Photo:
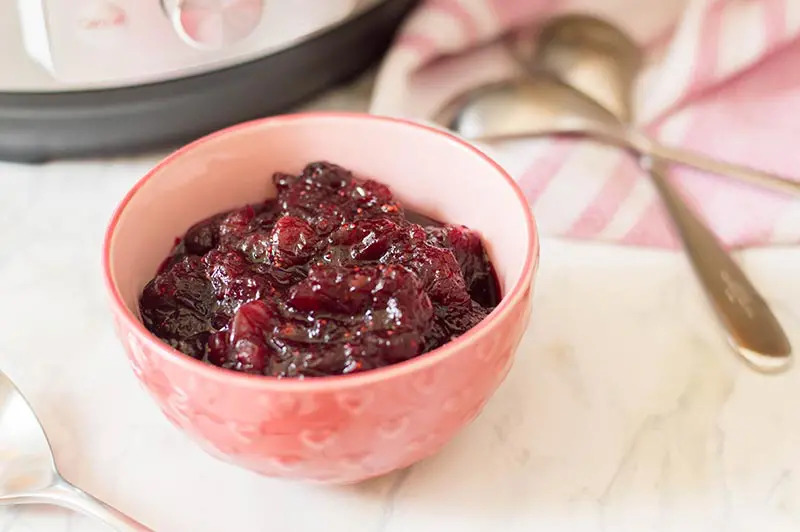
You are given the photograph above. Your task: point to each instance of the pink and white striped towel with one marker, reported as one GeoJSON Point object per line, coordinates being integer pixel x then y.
{"type": "Point", "coordinates": [723, 78]}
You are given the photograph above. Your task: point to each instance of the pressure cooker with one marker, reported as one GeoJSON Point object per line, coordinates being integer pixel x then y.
{"type": "Point", "coordinates": [106, 77]}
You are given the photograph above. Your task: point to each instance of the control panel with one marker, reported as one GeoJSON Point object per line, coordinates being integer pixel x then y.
{"type": "Point", "coordinates": [85, 44]}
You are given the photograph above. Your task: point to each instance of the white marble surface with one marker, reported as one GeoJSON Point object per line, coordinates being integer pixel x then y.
{"type": "Point", "coordinates": [624, 412]}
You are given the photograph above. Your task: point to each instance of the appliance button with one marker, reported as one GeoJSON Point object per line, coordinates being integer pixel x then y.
{"type": "Point", "coordinates": [214, 24]}
{"type": "Point", "coordinates": [101, 22]}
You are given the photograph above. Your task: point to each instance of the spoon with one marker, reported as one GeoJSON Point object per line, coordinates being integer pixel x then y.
{"type": "Point", "coordinates": [28, 473]}
{"type": "Point", "coordinates": [538, 106]}
{"type": "Point", "coordinates": [594, 58]}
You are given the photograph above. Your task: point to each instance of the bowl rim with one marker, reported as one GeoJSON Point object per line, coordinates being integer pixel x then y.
{"type": "Point", "coordinates": [506, 306]}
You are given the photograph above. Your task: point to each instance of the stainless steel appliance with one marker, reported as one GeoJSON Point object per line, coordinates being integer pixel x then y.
{"type": "Point", "coordinates": [90, 77]}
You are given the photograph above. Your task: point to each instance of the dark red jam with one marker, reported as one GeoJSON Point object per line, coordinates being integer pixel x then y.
{"type": "Point", "coordinates": [331, 277]}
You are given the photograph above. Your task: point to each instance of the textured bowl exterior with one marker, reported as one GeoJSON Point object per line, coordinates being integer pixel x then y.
{"type": "Point", "coordinates": [333, 429]}
{"type": "Point", "coordinates": [331, 435]}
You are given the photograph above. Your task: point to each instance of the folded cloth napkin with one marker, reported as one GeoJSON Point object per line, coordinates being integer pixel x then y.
{"type": "Point", "coordinates": [722, 78]}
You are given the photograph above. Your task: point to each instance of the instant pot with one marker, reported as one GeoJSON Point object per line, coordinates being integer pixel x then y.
{"type": "Point", "coordinates": [100, 77]}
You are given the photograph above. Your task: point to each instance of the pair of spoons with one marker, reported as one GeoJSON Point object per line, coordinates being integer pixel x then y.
{"type": "Point", "coordinates": [581, 83]}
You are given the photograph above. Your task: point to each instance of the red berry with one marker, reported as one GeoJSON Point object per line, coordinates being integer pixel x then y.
{"type": "Point", "coordinates": [293, 241]}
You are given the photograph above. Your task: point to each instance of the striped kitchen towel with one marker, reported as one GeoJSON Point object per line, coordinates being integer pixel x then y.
{"type": "Point", "coordinates": [722, 77]}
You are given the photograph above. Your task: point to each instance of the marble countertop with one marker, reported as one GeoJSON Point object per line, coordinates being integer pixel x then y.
{"type": "Point", "coordinates": [625, 410]}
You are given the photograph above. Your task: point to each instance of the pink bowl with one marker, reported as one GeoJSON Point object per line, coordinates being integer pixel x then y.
{"type": "Point", "coordinates": [333, 429]}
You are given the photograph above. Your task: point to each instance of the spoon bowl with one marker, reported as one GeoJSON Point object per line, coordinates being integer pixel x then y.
{"type": "Point", "coordinates": [592, 55]}
{"type": "Point", "coordinates": [25, 453]}
{"type": "Point", "coordinates": [523, 108]}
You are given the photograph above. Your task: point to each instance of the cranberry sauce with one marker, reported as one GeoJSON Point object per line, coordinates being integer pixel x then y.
{"type": "Point", "coordinates": [329, 278]}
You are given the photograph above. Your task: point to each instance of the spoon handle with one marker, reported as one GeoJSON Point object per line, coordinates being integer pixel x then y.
{"type": "Point", "coordinates": [64, 494]}
{"type": "Point", "coordinates": [747, 174]}
{"type": "Point", "coordinates": [753, 331]}
{"type": "Point", "coordinates": [643, 145]}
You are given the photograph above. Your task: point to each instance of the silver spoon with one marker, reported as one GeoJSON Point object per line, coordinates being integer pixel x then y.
{"type": "Point", "coordinates": [752, 329]}
{"type": "Point", "coordinates": [597, 59]}
{"type": "Point", "coordinates": [28, 473]}
{"type": "Point", "coordinates": [531, 107]}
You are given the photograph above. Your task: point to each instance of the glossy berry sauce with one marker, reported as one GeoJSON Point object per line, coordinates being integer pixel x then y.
{"type": "Point", "coordinates": [329, 278]}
